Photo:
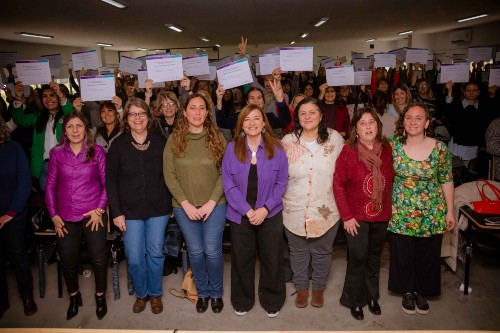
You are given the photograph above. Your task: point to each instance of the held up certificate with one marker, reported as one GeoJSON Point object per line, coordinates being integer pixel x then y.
{"type": "Point", "coordinates": [268, 63]}
{"type": "Point", "coordinates": [142, 76]}
{"type": "Point", "coordinates": [494, 76]}
{"type": "Point", "coordinates": [164, 67]}
{"type": "Point", "coordinates": [55, 60]}
{"type": "Point", "coordinates": [130, 65]}
{"type": "Point", "coordinates": [362, 63]}
{"type": "Point", "coordinates": [363, 77]}
{"type": "Point", "coordinates": [296, 58]}
{"type": "Point", "coordinates": [340, 75]}
{"type": "Point", "coordinates": [33, 71]}
{"type": "Point", "coordinates": [477, 54]}
{"type": "Point", "coordinates": [385, 59]}
{"type": "Point", "coordinates": [454, 72]}
{"type": "Point", "coordinates": [196, 65]}
{"type": "Point", "coordinates": [234, 74]}
{"type": "Point", "coordinates": [213, 72]}
{"type": "Point", "coordinates": [417, 55]}
{"type": "Point", "coordinates": [85, 60]}
{"type": "Point", "coordinates": [97, 87]}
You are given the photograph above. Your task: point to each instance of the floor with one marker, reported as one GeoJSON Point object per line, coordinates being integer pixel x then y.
{"type": "Point", "coordinates": [452, 311]}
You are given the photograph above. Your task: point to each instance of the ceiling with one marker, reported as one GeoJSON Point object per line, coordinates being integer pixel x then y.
{"type": "Point", "coordinates": [83, 23]}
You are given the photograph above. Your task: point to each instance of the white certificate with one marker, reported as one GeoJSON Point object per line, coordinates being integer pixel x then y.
{"type": "Point", "coordinates": [454, 72]}
{"type": "Point", "coordinates": [362, 77]}
{"type": "Point", "coordinates": [340, 76]}
{"type": "Point", "coordinates": [362, 63]}
{"type": "Point", "coordinates": [33, 71]}
{"type": "Point", "coordinates": [414, 55]}
{"type": "Point", "coordinates": [296, 58]}
{"type": "Point", "coordinates": [130, 65]}
{"type": "Point", "coordinates": [7, 58]}
{"type": "Point", "coordinates": [223, 61]}
{"type": "Point", "coordinates": [55, 60]}
{"type": "Point", "coordinates": [355, 55]}
{"type": "Point", "coordinates": [494, 76]}
{"type": "Point", "coordinates": [268, 63]}
{"type": "Point", "coordinates": [212, 67]}
{"type": "Point", "coordinates": [97, 88]}
{"type": "Point", "coordinates": [196, 65]}
{"type": "Point", "coordinates": [385, 60]}
{"type": "Point", "coordinates": [400, 54]}
{"type": "Point", "coordinates": [85, 60]}
{"type": "Point", "coordinates": [142, 76]}
{"type": "Point", "coordinates": [477, 54]}
{"type": "Point", "coordinates": [234, 74]}
{"type": "Point", "coordinates": [164, 67]}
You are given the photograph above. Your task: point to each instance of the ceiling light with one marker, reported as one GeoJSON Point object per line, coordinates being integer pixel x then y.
{"type": "Point", "coordinates": [29, 34]}
{"type": "Point", "coordinates": [173, 27]}
{"type": "Point", "coordinates": [304, 35]}
{"type": "Point", "coordinates": [118, 4]}
{"type": "Point", "coordinates": [320, 22]}
{"type": "Point", "coordinates": [205, 39]}
{"type": "Point", "coordinates": [292, 42]}
{"type": "Point", "coordinates": [471, 18]}
{"type": "Point", "coordinates": [104, 44]}
{"type": "Point", "coordinates": [141, 49]}
{"type": "Point", "coordinates": [405, 32]}
{"type": "Point", "coordinates": [370, 40]}
{"type": "Point", "coordinates": [217, 45]}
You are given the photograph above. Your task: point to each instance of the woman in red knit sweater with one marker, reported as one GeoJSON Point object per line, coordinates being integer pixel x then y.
{"type": "Point", "coordinates": [362, 186]}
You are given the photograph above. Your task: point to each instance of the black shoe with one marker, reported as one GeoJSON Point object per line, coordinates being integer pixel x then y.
{"type": "Point", "coordinates": [421, 303]}
{"type": "Point", "coordinates": [409, 303]}
{"type": "Point", "coordinates": [217, 305]}
{"type": "Point", "coordinates": [74, 302]}
{"type": "Point", "coordinates": [202, 304]}
{"type": "Point", "coordinates": [101, 307]}
{"type": "Point", "coordinates": [357, 313]}
{"type": "Point", "coordinates": [374, 308]}
{"type": "Point", "coordinates": [30, 307]}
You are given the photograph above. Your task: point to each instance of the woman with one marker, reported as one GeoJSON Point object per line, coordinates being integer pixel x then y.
{"type": "Point", "coordinates": [401, 97]}
{"type": "Point", "coordinates": [47, 125]}
{"type": "Point", "coordinates": [308, 90]}
{"type": "Point", "coordinates": [76, 198]}
{"type": "Point", "coordinates": [336, 116]}
{"type": "Point", "coordinates": [379, 101]}
{"type": "Point", "coordinates": [423, 209]}
{"type": "Point", "coordinates": [254, 177]}
{"type": "Point", "coordinates": [362, 186]}
{"type": "Point", "coordinates": [139, 201]}
{"type": "Point", "coordinates": [192, 169]}
{"type": "Point", "coordinates": [15, 188]}
{"type": "Point", "coordinates": [166, 106]}
{"type": "Point", "coordinates": [310, 215]}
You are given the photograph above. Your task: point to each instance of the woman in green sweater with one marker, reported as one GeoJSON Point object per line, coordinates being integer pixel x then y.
{"type": "Point", "coordinates": [192, 169]}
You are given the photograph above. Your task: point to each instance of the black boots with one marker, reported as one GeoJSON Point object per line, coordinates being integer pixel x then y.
{"type": "Point", "coordinates": [74, 302]}
{"type": "Point", "coordinates": [101, 307]}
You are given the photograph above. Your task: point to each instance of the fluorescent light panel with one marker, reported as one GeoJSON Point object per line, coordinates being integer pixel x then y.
{"type": "Point", "coordinates": [173, 27]}
{"type": "Point", "coordinates": [471, 18]}
{"type": "Point", "coordinates": [205, 39]}
{"type": "Point", "coordinates": [304, 35]}
{"type": "Point", "coordinates": [117, 4]}
{"type": "Point", "coordinates": [30, 34]}
{"type": "Point", "coordinates": [370, 40]}
{"type": "Point", "coordinates": [104, 44]}
{"type": "Point", "coordinates": [141, 49]}
{"type": "Point", "coordinates": [320, 22]}
{"type": "Point", "coordinates": [405, 32]}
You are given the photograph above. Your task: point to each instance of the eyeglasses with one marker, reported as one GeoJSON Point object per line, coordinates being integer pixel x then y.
{"type": "Point", "coordinates": [138, 114]}
{"type": "Point", "coordinates": [168, 105]}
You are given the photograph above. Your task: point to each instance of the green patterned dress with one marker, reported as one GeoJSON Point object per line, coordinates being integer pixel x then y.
{"type": "Point", "coordinates": [418, 203]}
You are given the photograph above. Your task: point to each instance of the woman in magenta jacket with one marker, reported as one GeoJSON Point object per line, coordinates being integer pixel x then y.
{"type": "Point", "coordinates": [76, 198]}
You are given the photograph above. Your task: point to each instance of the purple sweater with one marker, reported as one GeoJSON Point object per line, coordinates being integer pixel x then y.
{"type": "Point", "coordinates": [75, 187]}
{"type": "Point", "coordinates": [272, 181]}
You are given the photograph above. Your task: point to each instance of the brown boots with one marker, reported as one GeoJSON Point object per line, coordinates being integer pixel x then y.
{"type": "Point", "coordinates": [302, 296]}
{"type": "Point", "coordinates": [317, 298]}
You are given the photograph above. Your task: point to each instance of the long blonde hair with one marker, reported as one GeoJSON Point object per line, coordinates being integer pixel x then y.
{"type": "Point", "coordinates": [214, 144]}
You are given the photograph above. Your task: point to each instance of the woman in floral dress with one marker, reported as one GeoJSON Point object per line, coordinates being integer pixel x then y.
{"type": "Point", "coordinates": [422, 209]}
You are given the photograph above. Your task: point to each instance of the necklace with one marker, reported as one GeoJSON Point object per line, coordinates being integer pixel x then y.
{"type": "Point", "coordinates": [254, 153]}
{"type": "Point", "coordinates": [141, 146]}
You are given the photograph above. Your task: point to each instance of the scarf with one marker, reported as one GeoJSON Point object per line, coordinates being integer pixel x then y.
{"type": "Point", "coordinates": [371, 158]}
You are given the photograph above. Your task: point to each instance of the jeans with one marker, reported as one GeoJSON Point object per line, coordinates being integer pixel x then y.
{"type": "Point", "coordinates": [13, 249]}
{"type": "Point", "coordinates": [144, 250]}
{"type": "Point", "coordinates": [204, 245]}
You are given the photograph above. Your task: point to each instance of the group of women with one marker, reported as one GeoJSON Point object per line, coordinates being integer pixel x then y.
{"type": "Point", "coordinates": [166, 161]}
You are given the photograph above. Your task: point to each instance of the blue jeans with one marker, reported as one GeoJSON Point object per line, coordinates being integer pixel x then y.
{"type": "Point", "coordinates": [144, 250]}
{"type": "Point", "coordinates": [204, 245]}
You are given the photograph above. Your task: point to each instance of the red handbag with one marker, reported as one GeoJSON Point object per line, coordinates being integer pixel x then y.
{"type": "Point", "coordinates": [486, 205]}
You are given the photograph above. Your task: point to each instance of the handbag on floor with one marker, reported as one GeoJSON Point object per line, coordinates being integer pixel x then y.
{"type": "Point", "coordinates": [188, 288]}
{"type": "Point", "coordinates": [487, 205]}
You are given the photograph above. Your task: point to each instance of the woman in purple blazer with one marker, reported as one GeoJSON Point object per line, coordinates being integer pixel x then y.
{"type": "Point", "coordinates": [254, 177]}
{"type": "Point", "coordinates": [75, 198]}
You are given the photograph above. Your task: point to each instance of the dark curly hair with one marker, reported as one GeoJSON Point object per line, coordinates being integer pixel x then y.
{"type": "Point", "coordinates": [323, 134]}
{"type": "Point", "coordinates": [400, 132]}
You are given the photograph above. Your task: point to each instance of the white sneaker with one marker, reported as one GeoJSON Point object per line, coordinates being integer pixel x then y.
{"type": "Point", "coordinates": [240, 313]}
{"type": "Point", "coordinates": [272, 314]}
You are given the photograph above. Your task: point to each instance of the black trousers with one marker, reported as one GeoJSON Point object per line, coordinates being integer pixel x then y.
{"type": "Point", "coordinates": [246, 241]}
{"type": "Point", "coordinates": [415, 264]}
{"type": "Point", "coordinates": [69, 252]}
{"type": "Point", "coordinates": [363, 267]}
{"type": "Point", "coordinates": [13, 249]}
